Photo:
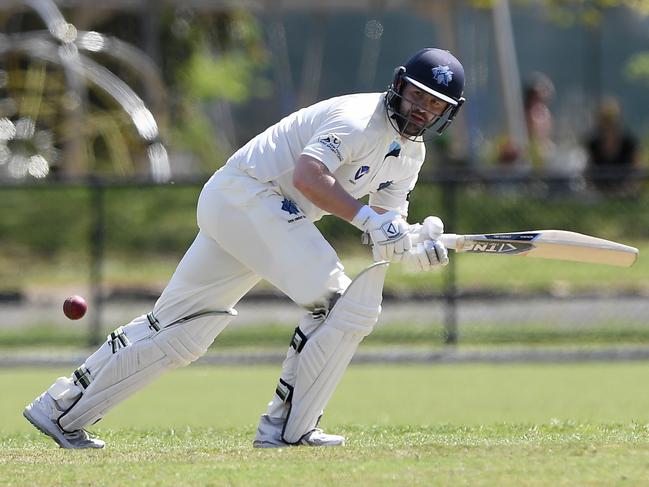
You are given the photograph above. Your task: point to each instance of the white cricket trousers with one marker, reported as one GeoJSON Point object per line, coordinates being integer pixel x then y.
{"type": "Point", "coordinates": [249, 231]}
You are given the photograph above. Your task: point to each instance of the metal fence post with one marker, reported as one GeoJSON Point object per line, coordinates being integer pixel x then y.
{"type": "Point", "coordinates": [449, 192]}
{"type": "Point", "coordinates": [97, 236]}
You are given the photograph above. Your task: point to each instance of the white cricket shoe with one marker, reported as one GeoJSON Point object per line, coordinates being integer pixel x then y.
{"type": "Point", "coordinates": [43, 413]}
{"type": "Point", "coordinates": [269, 435]}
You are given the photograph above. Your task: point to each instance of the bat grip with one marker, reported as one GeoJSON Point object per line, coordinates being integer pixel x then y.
{"type": "Point", "coordinates": [450, 240]}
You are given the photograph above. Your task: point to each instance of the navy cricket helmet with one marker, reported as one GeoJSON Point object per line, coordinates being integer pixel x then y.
{"type": "Point", "coordinates": [436, 72]}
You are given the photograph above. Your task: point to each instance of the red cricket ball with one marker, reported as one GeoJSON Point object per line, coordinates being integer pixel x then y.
{"type": "Point", "coordinates": [75, 307]}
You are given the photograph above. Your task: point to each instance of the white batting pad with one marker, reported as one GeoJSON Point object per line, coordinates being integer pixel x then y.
{"type": "Point", "coordinates": [122, 366]}
{"type": "Point", "coordinates": [278, 407]}
{"type": "Point", "coordinates": [327, 353]}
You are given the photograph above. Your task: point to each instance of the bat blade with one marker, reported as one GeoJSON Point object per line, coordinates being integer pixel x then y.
{"type": "Point", "coordinates": [546, 244]}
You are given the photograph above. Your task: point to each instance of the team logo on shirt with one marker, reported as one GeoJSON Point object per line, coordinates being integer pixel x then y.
{"type": "Point", "coordinates": [291, 208]}
{"type": "Point", "coordinates": [384, 185]}
{"type": "Point", "coordinates": [331, 142]}
{"type": "Point", "coordinates": [394, 150]}
{"type": "Point", "coordinates": [362, 171]}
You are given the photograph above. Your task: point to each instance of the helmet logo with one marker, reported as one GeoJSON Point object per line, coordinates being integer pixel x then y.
{"type": "Point", "coordinates": [442, 75]}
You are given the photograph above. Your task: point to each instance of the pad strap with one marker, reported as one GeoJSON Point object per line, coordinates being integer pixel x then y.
{"type": "Point", "coordinates": [284, 391]}
{"type": "Point", "coordinates": [82, 377]}
{"type": "Point", "coordinates": [298, 340]}
{"type": "Point", "coordinates": [154, 324]}
{"type": "Point", "coordinates": [118, 339]}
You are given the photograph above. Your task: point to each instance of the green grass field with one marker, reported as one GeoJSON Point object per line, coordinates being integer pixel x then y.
{"type": "Point", "coordinates": [545, 425]}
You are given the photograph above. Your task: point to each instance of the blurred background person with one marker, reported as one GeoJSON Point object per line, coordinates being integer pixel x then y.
{"type": "Point", "coordinates": [612, 149]}
{"type": "Point", "coordinates": [538, 94]}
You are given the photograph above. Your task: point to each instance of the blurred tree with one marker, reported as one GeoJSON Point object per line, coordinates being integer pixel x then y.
{"type": "Point", "coordinates": [222, 61]}
{"type": "Point", "coordinates": [568, 11]}
{"type": "Point", "coordinates": [638, 67]}
{"type": "Point", "coordinates": [212, 58]}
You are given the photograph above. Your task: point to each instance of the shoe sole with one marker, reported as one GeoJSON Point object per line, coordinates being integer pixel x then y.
{"type": "Point", "coordinates": [27, 413]}
{"type": "Point", "coordinates": [44, 426]}
{"type": "Point", "coordinates": [266, 444]}
{"type": "Point", "coordinates": [324, 445]}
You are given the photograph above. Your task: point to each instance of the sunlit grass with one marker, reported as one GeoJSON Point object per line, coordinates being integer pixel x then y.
{"type": "Point", "coordinates": [499, 425]}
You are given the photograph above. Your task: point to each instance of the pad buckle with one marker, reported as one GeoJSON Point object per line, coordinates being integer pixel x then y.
{"type": "Point", "coordinates": [154, 324]}
{"type": "Point", "coordinates": [118, 339]}
{"type": "Point", "coordinates": [298, 340]}
{"type": "Point", "coordinates": [284, 391]}
{"type": "Point", "coordinates": [82, 377]}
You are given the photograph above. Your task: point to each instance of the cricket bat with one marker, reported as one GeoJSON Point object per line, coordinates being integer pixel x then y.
{"type": "Point", "coordinates": [545, 244]}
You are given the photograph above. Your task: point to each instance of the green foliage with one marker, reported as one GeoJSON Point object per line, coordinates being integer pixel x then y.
{"type": "Point", "coordinates": [195, 133]}
{"type": "Point", "coordinates": [44, 220]}
{"type": "Point", "coordinates": [569, 12]}
{"type": "Point", "coordinates": [224, 57]}
{"type": "Point", "coordinates": [225, 61]}
{"type": "Point", "coordinates": [637, 68]}
{"type": "Point", "coordinates": [159, 219]}
{"type": "Point", "coordinates": [147, 230]}
{"type": "Point", "coordinates": [232, 76]}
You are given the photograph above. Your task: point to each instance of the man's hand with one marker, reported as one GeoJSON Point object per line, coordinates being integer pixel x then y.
{"type": "Point", "coordinates": [389, 232]}
{"type": "Point", "coordinates": [425, 255]}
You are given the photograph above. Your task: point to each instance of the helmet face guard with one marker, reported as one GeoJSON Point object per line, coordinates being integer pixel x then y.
{"type": "Point", "coordinates": [435, 72]}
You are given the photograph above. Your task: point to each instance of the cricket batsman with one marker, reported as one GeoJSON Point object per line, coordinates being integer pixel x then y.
{"type": "Point", "coordinates": [256, 221]}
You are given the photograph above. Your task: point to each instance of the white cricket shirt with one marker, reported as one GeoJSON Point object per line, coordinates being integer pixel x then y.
{"type": "Point", "coordinates": [352, 136]}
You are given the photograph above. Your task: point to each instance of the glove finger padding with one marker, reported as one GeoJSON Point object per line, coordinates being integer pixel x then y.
{"type": "Point", "coordinates": [404, 244]}
{"type": "Point", "coordinates": [437, 249]}
{"type": "Point", "coordinates": [426, 255]}
{"type": "Point", "coordinates": [376, 254]}
{"type": "Point", "coordinates": [392, 251]}
{"type": "Point", "coordinates": [423, 260]}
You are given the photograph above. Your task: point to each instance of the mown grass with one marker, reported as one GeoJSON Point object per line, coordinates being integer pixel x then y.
{"type": "Point", "coordinates": [517, 455]}
{"type": "Point", "coordinates": [535, 425]}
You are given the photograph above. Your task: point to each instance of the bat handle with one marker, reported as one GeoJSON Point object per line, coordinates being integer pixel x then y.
{"type": "Point", "coordinates": [451, 240]}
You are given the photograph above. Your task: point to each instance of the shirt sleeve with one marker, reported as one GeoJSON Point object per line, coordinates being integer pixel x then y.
{"type": "Point", "coordinates": [333, 142]}
{"type": "Point", "coordinates": [395, 196]}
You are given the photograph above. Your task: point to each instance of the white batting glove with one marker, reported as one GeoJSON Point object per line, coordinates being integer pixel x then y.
{"type": "Point", "coordinates": [388, 232]}
{"type": "Point", "coordinates": [425, 256]}
{"type": "Point", "coordinates": [432, 229]}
